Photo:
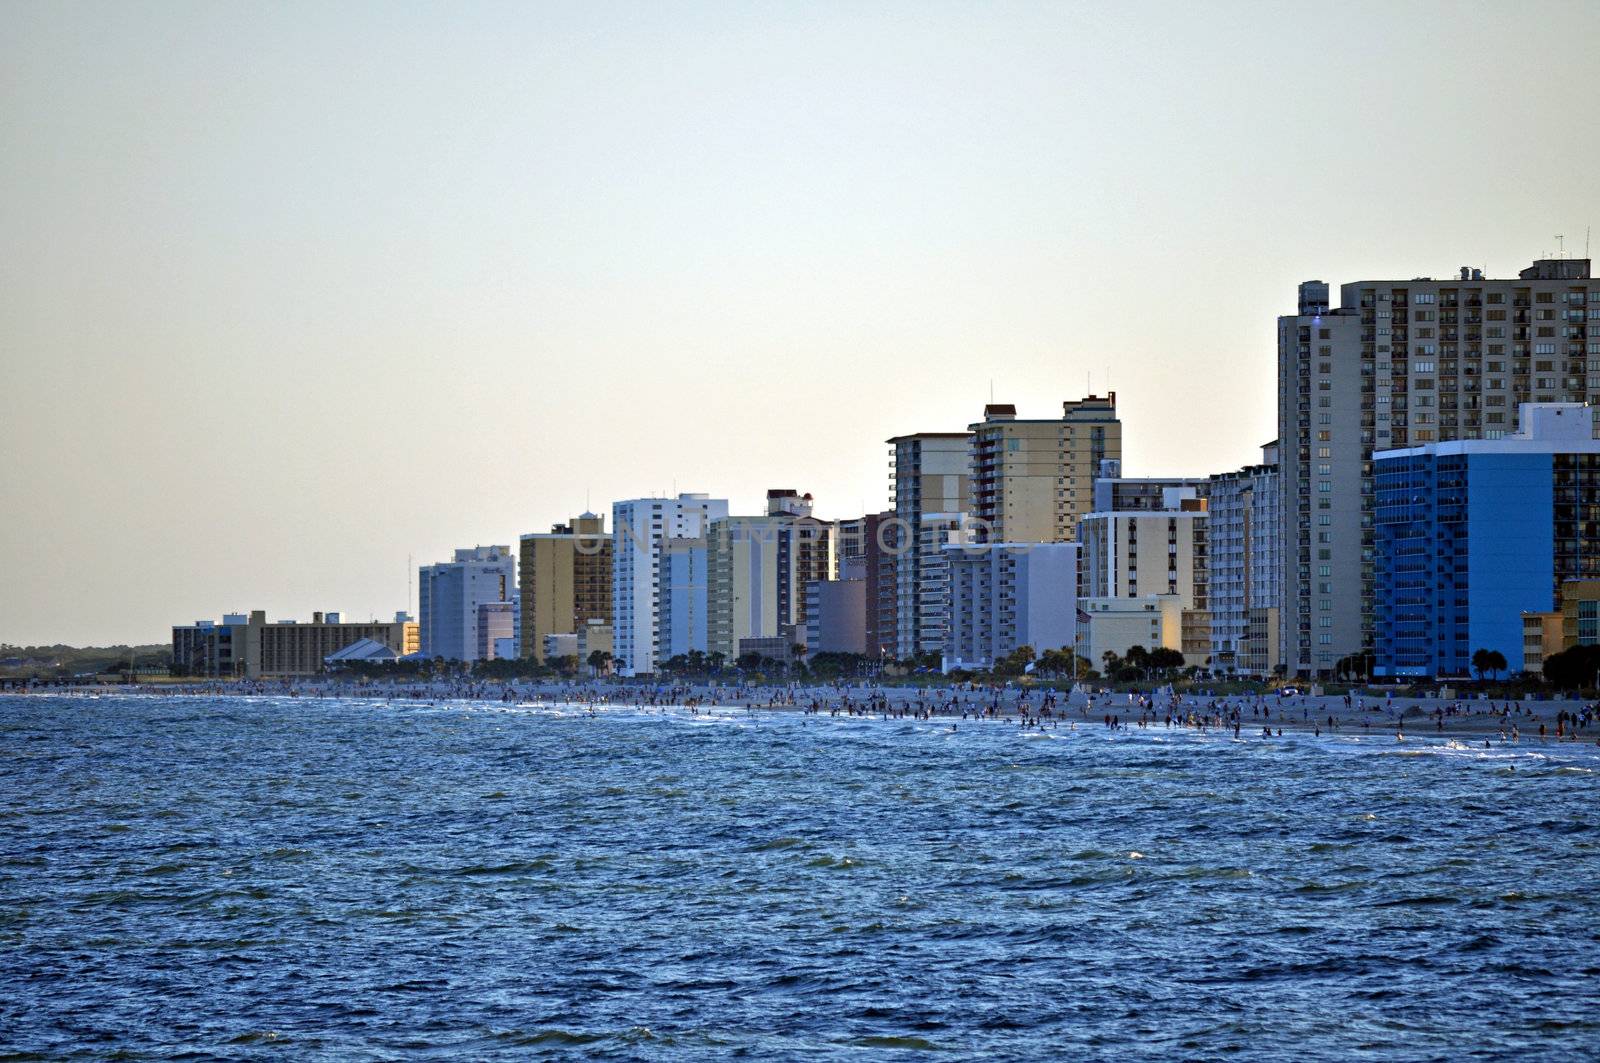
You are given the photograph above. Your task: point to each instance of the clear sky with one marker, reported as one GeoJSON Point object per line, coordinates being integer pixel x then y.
{"type": "Point", "coordinates": [291, 292]}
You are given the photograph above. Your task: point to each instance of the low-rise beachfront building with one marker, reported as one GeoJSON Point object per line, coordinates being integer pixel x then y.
{"type": "Point", "coordinates": [246, 646]}
{"type": "Point", "coordinates": [1580, 610]}
{"type": "Point", "coordinates": [1002, 596]}
{"type": "Point", "coordinates": [1472, 534]}
{"type": "Point", "coordinates": [785, 648]}
{"type": "Point", "coordinates": [596, 636]}
{"type": "Point", "coordinates": [560, 645]}
{"type": "Point", "coordinates": [1541, 638]}
{"type": "Point", "coordinates": [1116, 625]}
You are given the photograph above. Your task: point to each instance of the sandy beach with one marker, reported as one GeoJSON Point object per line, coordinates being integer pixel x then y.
{"type": "Point", "coordinates": [1413, 717]}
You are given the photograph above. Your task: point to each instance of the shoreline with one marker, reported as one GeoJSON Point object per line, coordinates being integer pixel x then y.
{"type": "Point", "coordinates": [1301, 713]}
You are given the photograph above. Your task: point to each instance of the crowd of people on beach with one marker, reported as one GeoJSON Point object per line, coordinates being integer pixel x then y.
{"type": "Point", "coordinates": [1265, 714]}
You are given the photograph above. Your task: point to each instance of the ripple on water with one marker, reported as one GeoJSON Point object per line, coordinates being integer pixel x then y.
{"type": "Point", "coordinates": [342, 878]}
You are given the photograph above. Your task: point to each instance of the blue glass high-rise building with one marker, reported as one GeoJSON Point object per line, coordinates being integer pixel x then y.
{"type": "Point", "coordinates": [1470, 534]}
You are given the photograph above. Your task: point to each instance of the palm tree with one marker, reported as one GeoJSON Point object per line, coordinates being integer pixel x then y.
{"type": "Point", "coordinates": [1486, 660]}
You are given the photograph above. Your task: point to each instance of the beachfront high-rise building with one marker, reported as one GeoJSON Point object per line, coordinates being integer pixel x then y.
{"type": "Point", "coordinates": [757, 569]}
{"type": "Point", "coordinates": [1243, 554]}
{"type": "Point", "coordinates": [1142, 552]}
{"type": "Point", "coordinates": [1033, 480]}
{"type": "Point", "coordinates": [808, 552]}
{"type": "Point", "coordinates": [741, 582]}
{"type": "Point", "coordinates": [682, 623]}
{"type": "Point", "coordinates": [1002, 596]}
{"type": "Point", "coordinates": [929, 474]}
{"type": "Point", "coordinates": [1402, 363]}
{"type": "Point", "coordinates": [936, 532]}
{"type": "Point", "coordinates": [1471, 534]}
{"type": "Point", "coordinates": [836, 610]}
{"type": "Point", "coordinates": [449, 593]}
{"type": "Point", "coordinates": [566, 581]}
{"type": "Point", "coordinates": [868, 541]}
{"type": "Point", "coordinates": [639, 527]}
{"type": "Point", "coordinates": [497, 625]}
{"type": "Point", "coordinates": [1114, 492]}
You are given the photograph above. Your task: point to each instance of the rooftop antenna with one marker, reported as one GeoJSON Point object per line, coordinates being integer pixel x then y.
{"type": "Point", "coordinates": [1561, 246]}
{"type": "Point", "coordinates": [408, 583]}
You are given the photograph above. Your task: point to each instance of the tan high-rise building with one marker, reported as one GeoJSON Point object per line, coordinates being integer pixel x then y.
{"type": "Point", "coordinates": [1033, 480]}
{"type": "Point", "coordinates": [566, 581]}
{"type": "Point", "coordinates": [757, 569]}
{"type": "Point", "coordinates": [929, 481]}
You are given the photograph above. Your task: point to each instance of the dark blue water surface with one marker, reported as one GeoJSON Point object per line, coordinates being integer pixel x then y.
{"type": "Point", "coordinates": [343, 878]}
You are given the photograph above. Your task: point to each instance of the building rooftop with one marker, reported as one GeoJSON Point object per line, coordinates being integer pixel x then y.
{"type": "Point", "coordinates": [1545, 428]}
{"type": "Point", "coordinates": [927, 435]}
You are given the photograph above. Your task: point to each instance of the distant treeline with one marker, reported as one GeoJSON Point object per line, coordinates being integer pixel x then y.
{"type": "Point", "coordinates": [63, 660]}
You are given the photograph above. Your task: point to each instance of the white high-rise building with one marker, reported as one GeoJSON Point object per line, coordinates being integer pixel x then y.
{"type": "Point", "coordinates": [935, 532]}
{"type": "Point", "coordinates": [450, 592]}
{"type": "Point", "coordinates": [1246, 579]}
{"type": "Point", "coordinates": [639, 527]}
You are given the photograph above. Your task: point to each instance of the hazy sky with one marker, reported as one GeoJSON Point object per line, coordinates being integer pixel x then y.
{"type": "Point", "coordinates": [289, 292]}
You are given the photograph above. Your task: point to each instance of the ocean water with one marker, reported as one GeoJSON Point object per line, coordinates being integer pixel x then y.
{"type": "Point", "coordinates": [348, 879]}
